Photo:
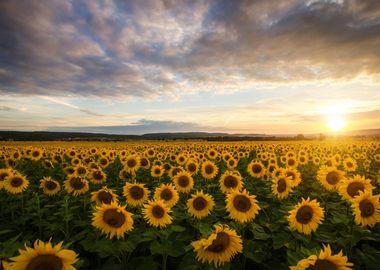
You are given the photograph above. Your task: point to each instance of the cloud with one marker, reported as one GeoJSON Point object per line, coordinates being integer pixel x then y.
{"type": "Point", "coordinates": [167, 48]}
{"type": "Point", "coordinates": [141, 126]}
{"type": "Point", "coordinates": [66, 104]}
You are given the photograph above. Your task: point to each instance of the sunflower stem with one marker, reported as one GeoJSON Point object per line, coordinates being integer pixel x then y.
{"type": "Point", "coordinates": [39, 216]}
{"type": "Point", "coordinates": [22, 211]}
{"type": "Point", "coordinates": [66, 216]}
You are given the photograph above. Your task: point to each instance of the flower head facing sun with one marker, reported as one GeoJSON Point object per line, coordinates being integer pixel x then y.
{"type": "Point", "coordinates": [113, 220]}
{"type": "Point", "coordinates": [157, 213]}
{"type": "Point", "coordinates": [200, 205]}
{"type": "Point", "coordinates": [306, 216]}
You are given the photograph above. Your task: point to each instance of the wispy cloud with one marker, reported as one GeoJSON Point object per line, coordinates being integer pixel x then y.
{"type": "Point", "coordinates": [66, 104]}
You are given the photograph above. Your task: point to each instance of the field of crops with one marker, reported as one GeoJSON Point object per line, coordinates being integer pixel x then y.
{"type": "Point", "coordinates": [190, 205]}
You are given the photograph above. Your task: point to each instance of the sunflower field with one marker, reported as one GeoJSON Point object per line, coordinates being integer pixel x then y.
{"type": "Point", "coordinates": [190, 205]}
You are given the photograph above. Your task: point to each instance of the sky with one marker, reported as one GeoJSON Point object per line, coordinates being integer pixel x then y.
{"type": "Point", "coordinates": [134, 67]}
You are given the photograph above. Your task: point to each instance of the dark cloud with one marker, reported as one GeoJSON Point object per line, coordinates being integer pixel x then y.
{"type": "Point", "coordinates": [141, 127]}
{"type": "Point", "coordinates": [154, 48]}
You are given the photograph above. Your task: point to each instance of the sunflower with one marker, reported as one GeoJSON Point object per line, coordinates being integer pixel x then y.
{"type": "Point", "coordinates": [103, 195]}
{"type": "Point", "coordinates": [350, 164]}
{"type": "Point", "coordinates": [4, 173]}
{"type": "Point", "coordinates": [50, 186]}
{"type": "Point", "coordinates": [242, 206]}
{"type": "Point", "coordinates": [183, 181]}
{"type": "Point", "coordinates": [81, 170]}
{"type": "Point", "coordinates": [15, 183]}
{"type": "Point", "coordinates": [256, 169]}
{"type": "Point", "coordinates": [291, 162]}
{"type": "Point", "coordinates": [325, 261]}
{"type": "Point", "coordinates": [366, 208]}
{"type": "Point", "coordinates": [135, 194]}
{"type": "Point", "coordinates": [150, 153]}
{"type": "Point", "coordinates": [157, 213]}
{"type": "Point", "coordinates": [192, 166]}
{"type": "Point", "coordinates": [232, 163]}
{"type": "Point", "coordinates": [76, 185]}
{"type": "Point", "coordinates": [174, 171]}
{"type": "Point", "coordinates": [212, 153]}
{"type": "Point", "coordinates": [43, 256]}
{"type": "Point", "coordinates": [209, 170]}
{"type": "Point", "coordinates": [112, 219]}
{"type": "Point", "coordinates": [36, 154]}
{"type": "Point", "coordinates": [294, 174]}
{"type": "Point", "coordinates": [349, 188]}
{"type": "Point", "coordinates": [127, 175]}
{"type": "Point", "coordinates": [281, 186]}
{"type": "Point", "coordinates": [200, 205]}
{"type": "Point", "coordinates": [306, 216]}
{"type": "Point", "coordinates": [220, 247]}
{"type": "Point", "coordinates": [330, 177]}
{"type": "Point", "coordinates": [230, 180]}
{"type": "Point", "coordinates": [157, 171]}
{"type": "Point", "coordinates": [144, 163]}
{"type": "Point", "coordinates": [97, 176]}
{"type": "Point", "coordinates": [167, 193]}
{"type": "Point", "coordinates": [132, 163]}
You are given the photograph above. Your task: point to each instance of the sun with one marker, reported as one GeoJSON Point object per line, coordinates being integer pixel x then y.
{"type": "Point", "coordinates": [336, 123]}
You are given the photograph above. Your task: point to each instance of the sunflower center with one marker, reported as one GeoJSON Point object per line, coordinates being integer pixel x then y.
{"type": "Point", "coordinates": [220, 244]}
{"type": "Point", "coordinates": [50, 185]}
{"type": "Point", "coordinates": [304, 214]}
{"type": "Point", "coordinates": [199, 203]}
{"type": "Point", "coordinates": [323, 265]}
{"type": "Point", "coordinates": [191, 167]}
{"type": "Point", "coordinates": [157, 171]}
{"type": "Point", "coordinates": [46, 262]}
{"type": "Point", "coordinates": [113, 218]}
{"type": "Point", "coordinates": [166, 194]}
{"type": "Point", "coordinates": [105, 197]}
{"type": "Point", "coordinates": [97, 175]}
{"type": "Point", "coordinates": [36, 153]}
{"type": "Point", "coordinates": [144, 162]}
{"type": "Point", "coordinates": [158, 211]}
{"type": "Point", "coordinates": [332, 178]}
{"type": "Point", "coordinates": [231, 162]}
{"type": "Point", "coordinates": [131, 163]}
{"type": "Point", "coordinates": [354, 188]}
{"type": "Point", "coordinates": [230, 181]}
{"type": "Point", "coordinates": [281, 185]}
{"type": "Point", "coordinates": [209, 169]}
{"type": "Point", "coordinates": [136, 192]}
{"type": "Point", "coordinates": [242, 203]}
{"type": "Point", "coordinates": [291, 162]}
{"type": "Point", "coordinates": [366, 208]}
{"type": "Point", "coordinates": [183, 181]}
{"type": "Point", "coordinates": [349, 164]}
{"type": "Point", "coordinates": [16, 181]}
{"type": "Point", "coordinates": [76, 183]}
{"type": "Point", "coordinates": [256, 168]}
{"type": "Point", "coordinates": [81, 170]}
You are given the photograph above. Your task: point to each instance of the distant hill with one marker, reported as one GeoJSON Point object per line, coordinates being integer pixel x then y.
{"type": "Point", "coordinates": [86, 136]}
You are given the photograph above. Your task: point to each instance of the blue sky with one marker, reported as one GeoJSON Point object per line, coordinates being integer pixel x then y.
{"type": "Point", "coordinates": [160, 66]}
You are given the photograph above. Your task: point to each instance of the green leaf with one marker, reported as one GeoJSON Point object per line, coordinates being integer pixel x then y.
{"type": "Point", "coordinates": [259, 232]}
{"type": "Point", "coordinates": [143, 263]}
{"type": "Point", "coordinates": [177, 228]}
{"type": "Point", "coordinates": [281, 239]}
